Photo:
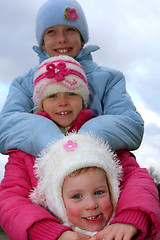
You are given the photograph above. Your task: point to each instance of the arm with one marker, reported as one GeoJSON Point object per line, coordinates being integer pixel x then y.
{"type": "Point", "coordinates": [138, 202]}
{"type": "Point", "coordinates": [137, 208]}
{"type": "Point", "coordinates": [117, 231]}
{"type": "Point", "coordinates": [20, 129]}
{"type": "Point", "coordinates": [19, 217]}
{"type": "Point", "coordinates": [117, 120]}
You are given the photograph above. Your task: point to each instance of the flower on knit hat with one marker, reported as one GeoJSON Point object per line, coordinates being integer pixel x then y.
{"type": "Point", "coordinates": [70, 14]}
{"type": "Point", "coordinates": [69, 146]}
{"type": "Point", "coordinates": [58, 71]}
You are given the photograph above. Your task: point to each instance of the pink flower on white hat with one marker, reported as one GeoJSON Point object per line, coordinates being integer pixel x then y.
{"type": "Point", "coordinates": [58, 71]}
{"type": "Point", "coordinates": [70, 14]}
{"type": "Point", "coordinates": [70, 145]}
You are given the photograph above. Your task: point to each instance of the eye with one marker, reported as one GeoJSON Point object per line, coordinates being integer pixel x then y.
{"type": "Point", "coordinates": [49, 31]}
{"type": "Point", "coordinates": [77, 196]}
{"type": "Point", "coordinates": [71, 94]}
{"type": "Point", "coordinates": [71, 29]}
{"type": "Point", "coordinates": [99, 192]}
{"type": "Point", "coordinates": [53, 96]}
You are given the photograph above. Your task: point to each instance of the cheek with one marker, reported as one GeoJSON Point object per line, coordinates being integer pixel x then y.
{"type": "Point", "coordinates": [78, 105]}
{"type": "Point", "coordinates": [48, 106]}
{"type": "Point", "coordinates": [73, 211]}
{"type": "Point", "coordinates": [48, 45]}
{"type": "Point", "coordinates": [106, 206]}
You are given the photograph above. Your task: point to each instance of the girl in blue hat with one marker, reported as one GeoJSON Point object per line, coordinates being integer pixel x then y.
{"type": "Point", "coordinates": [61, 28]}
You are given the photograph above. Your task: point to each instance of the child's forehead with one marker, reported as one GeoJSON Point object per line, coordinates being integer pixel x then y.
{"type": "Point", "coordinates": [86, 170]}
{"type": "Point", "coordinates": [85, 176]}
{"type": "Point", "coordinates": [60, 26]}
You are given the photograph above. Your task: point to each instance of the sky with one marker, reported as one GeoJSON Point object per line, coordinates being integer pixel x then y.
{"type": "Point", "coordinates": [128, 33]}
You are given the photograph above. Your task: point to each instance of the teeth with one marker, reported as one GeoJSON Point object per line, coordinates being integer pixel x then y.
{"type": "Point", "coordinates": [63, 113]}
{"type": "Point", "coordinates": [62, 50]}
{"type": "Point", "coordinates": [93, 218]}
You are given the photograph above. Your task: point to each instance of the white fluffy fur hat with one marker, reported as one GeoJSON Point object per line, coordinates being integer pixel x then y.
{"type": "Point", "coordinates": [63, 157]}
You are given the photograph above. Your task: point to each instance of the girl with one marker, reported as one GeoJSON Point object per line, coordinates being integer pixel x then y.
{"type": "Point", "coordinates": [61, 28]}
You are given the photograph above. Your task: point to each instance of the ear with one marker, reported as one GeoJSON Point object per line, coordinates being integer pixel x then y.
{"type": "Point", "coordinates": [43, 47]}
{"type": "Point", "coordinates": [82, 43]}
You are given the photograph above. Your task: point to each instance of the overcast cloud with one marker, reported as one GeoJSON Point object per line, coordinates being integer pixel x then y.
{"type": "Point", "coordinates": [128, 32]}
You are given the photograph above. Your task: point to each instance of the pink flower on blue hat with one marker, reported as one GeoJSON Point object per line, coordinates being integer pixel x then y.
{"type": "Point", "coordinates": [58, 71]}
{"type": "Point", "coordinates": [70, 14]}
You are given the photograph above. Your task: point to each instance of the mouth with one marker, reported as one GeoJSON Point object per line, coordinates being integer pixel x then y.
{"type": "Point", "coordinates": [63, 113]}
{"type": "Point", "coordinates": [94, 218]}
{"type": "Point", "coordinates": [63, 51]}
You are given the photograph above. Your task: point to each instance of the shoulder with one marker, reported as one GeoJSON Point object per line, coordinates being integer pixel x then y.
{"type": "Point", "coordinates": [24, 77]}
{"type": "Point", "coordinates": [111, 72]}
{"type": "Point", "coordinates": [105, 77]}
{"type": "Point", "coordinates": [19, 155]}
{"type": "Point", "coordinates": [24, 83]}
{"type": "Point", "coordinates": [93, 69]}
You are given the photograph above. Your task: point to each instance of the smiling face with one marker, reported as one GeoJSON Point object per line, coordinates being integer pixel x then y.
{"type": "Point", "coordinates": [87, 200]}
{"type": "Point", "coordinates": [63, 107]}
{"type": "Point", "coordinates": [62, 40]}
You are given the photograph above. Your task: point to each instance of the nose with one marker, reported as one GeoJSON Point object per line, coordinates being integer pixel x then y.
{"type": "Point", "coordinates": [63, 100]}
{"type": "Point", "coordinates": [62, 37]}
{"type": "Point", "coordinates": [91, 203]}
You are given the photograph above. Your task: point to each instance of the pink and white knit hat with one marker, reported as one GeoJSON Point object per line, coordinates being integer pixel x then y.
{"type": "Point", "coordinates": [60, 74]}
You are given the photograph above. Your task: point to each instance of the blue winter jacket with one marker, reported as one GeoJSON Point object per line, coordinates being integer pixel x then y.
{"type": "Point", "coordinates": [115, 116]}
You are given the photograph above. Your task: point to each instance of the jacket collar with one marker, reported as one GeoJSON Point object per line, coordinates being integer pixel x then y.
{"type": "Point", "coordinates": [84, 54]}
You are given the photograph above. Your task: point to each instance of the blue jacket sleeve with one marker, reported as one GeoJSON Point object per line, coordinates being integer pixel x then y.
{"type": "Point", "coordinates": [20, 129]}
{"type": "Point", "coordinates": [117, 120]}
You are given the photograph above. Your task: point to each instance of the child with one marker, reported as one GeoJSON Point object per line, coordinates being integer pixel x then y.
{"type": "Point", "coordinates": [61, 28]}
{"type": "Point", "coordinates": [64, 74]}
{"type": "Point", "coordinates": [61, 93]}
{"type": "Point", "coordinates": [84, 193]}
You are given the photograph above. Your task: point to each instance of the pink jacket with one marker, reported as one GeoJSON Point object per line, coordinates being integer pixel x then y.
{"type": "Point", "coordinates": [22, 220]}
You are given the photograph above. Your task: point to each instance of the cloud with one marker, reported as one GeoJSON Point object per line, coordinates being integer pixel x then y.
{"type": "Point", "coordinates": [143, 76]}
{"type": "Point", "coordinates": [149, 152]}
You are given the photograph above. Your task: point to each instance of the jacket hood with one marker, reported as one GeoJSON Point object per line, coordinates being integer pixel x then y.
{"type": "Point", "coordinates": [84, 54]}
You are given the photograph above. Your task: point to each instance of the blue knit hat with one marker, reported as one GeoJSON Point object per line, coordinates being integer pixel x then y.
{"type": "Point", "coordinates": [61, 12]}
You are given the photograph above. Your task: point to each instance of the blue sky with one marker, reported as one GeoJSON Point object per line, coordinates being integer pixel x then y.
{"type": "Point", "coordinates": [128, 33]}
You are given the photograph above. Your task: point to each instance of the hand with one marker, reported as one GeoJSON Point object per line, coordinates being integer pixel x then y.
{"type": "Point", "coordinates": [69, 235]}
{"type": "Point", "coordinates": [116, 231]}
